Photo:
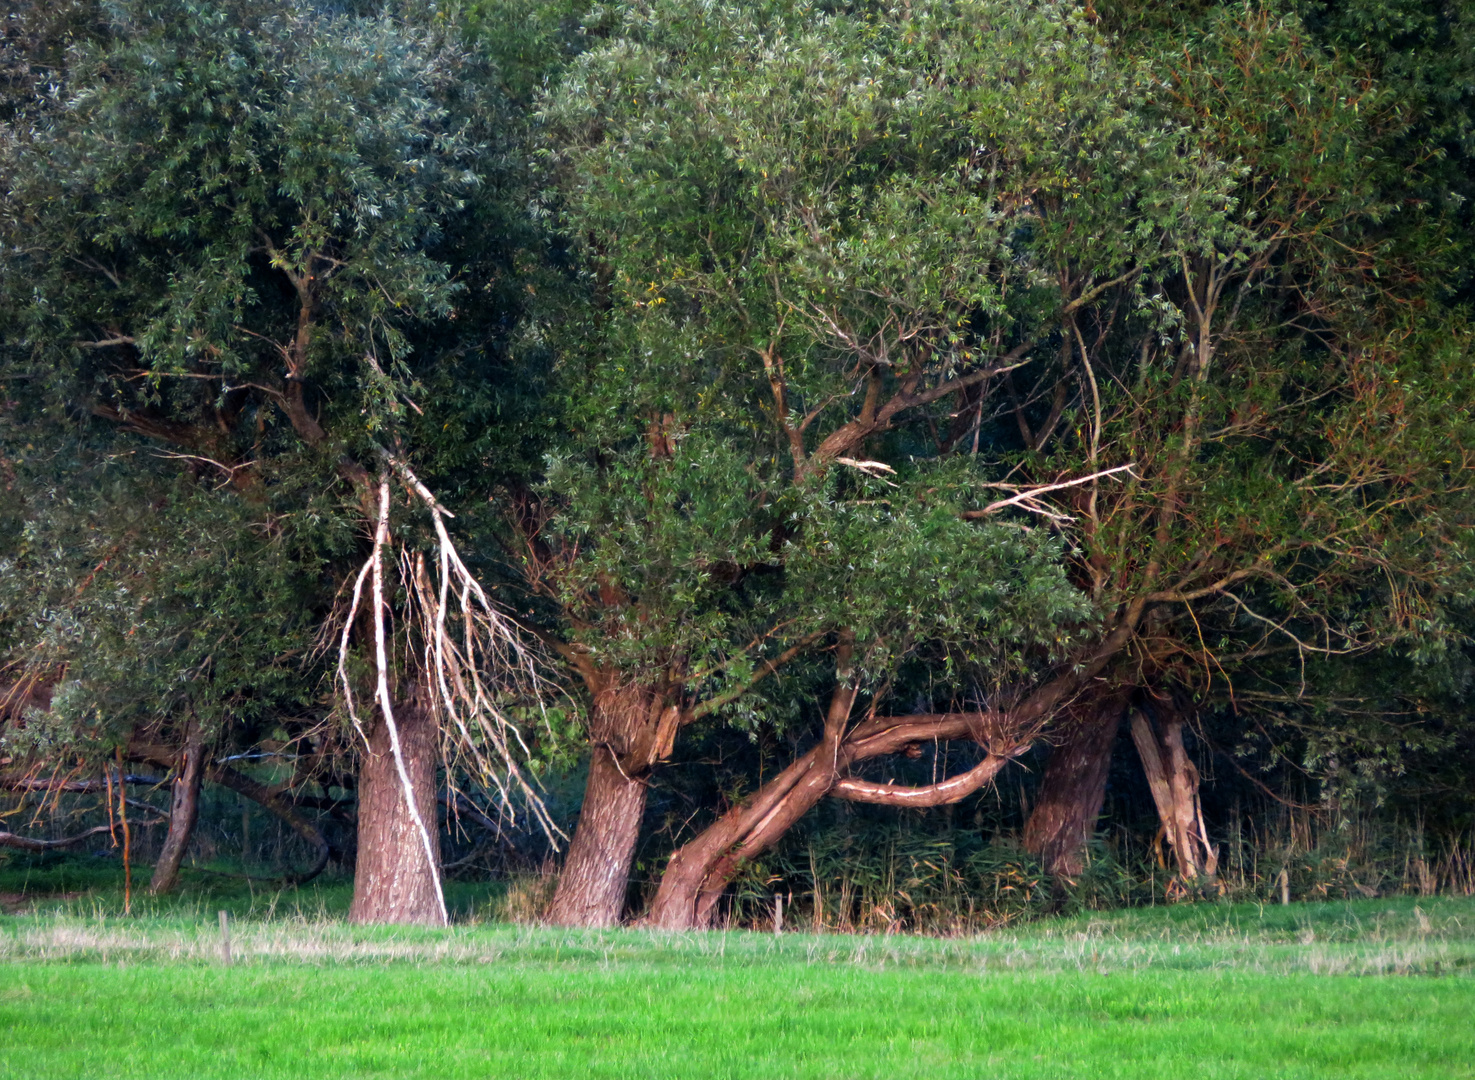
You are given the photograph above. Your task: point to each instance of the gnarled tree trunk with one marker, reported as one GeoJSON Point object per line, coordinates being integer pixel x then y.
{"type": "Point", "coordinates": [183, 811]}
{"type": "Point", "coordinates": [1074, 787]}
{"type": "Point", "coordinates": [1174, 782]}
{"type": "Point", "coordinates": [393, 881]}
{"type": "Point", "coordinates": [626, 724]}
{"type": "Point", "coordinates": [702, 869]}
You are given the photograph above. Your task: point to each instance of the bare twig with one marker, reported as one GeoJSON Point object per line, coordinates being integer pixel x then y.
{"type": "Point", "coordinates": [1025, 497]}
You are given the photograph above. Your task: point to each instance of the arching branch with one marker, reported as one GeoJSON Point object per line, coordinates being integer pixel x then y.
{"type": "Point", "coordinates": [941, 793]}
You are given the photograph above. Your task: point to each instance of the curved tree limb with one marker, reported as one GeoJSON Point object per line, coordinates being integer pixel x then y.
{"type": "Point", "coordinates": [701, 870]}
{"type": "Point", "coordinates": [26, 843]}
{"type": "Point", "coordinates": [274, 803]}
{"type": "Point", "coordinates": [941, 793]}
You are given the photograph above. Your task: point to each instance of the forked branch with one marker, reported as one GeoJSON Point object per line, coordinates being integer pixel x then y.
{"type": "Point", "coordinates": [472, 657]}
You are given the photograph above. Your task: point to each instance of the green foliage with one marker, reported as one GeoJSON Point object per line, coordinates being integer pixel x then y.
{"type": "Point", "coordinates": [833, 281]}
{"type": "Point", "coordinates": [212, 154]}
{"type": "Point", "coordinates": [771, 266]}
{"type": "Point", "coordinates": [253, 241]}
{"type": "Point", "coordinates": [158, 606]}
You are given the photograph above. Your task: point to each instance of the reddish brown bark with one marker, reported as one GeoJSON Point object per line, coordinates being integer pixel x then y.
{"type": "Point", "coordinates": [702, 869]}
{"type": "Point", "coordinates": [631, 729]}
{"type": "Point", "coordinates": [393, 881]}
{"type": "Point", "coordinates": [184, 810]}
{"type": "Point", "coordinates": [1074, 787]}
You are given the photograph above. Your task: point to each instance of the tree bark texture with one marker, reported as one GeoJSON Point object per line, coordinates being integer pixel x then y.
{"type": "Point", "coordinates": [393, 882]}
{"type": "Point", "coordinates": [626, 725]}
{"type": "Point", "coordinates": [1074, 787]}
{"type": "Point", "coordinates": [702, 869]}
{"type": "Point", "coordinates": [183, 811]}
{"type": "Point", "coordinates": [1174, 782]}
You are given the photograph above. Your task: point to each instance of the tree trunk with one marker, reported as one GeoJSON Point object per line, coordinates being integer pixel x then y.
{"type": "Point", "coordinates": [269, 798]}
{"type": "Point", "coordinates": [1074, 787]}
{"type": "Point", "coordinates": [183, 811]}
{"type": "Point", "coordinates": [596, 872]}
{"type": "Point", "coordinates": [1174, 782]}
{"type": "Point", "coordinates": [393, 881]}
{"type": "Point", "coordinates": [702, 869]}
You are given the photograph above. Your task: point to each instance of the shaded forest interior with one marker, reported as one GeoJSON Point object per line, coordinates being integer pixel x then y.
{"type": "Point", "coordinates": [849, 869]}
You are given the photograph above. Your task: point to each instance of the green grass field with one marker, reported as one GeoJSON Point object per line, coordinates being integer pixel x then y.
{"type": "Point", "coordinates": [1365, 989]}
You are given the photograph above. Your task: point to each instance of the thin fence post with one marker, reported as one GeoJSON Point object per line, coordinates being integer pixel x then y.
{"type": "Point", "coordinates": [225, 938]}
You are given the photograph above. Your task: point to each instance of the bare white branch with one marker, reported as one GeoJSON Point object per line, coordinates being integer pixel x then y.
{"type": "Point", "coordinates": [1026, 498]}
{"type": "Point", "coordinates": [386, 704]}
{"type": "Point", "coordinates": [467, 640]}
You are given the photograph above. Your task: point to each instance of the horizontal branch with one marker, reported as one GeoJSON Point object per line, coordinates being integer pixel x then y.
{"type": "Point", "coordinates": [77, 787]}
{"type": "Point", "coordinates": [25, 843]}
{"type": "Point", "coordinates": [268, 798]}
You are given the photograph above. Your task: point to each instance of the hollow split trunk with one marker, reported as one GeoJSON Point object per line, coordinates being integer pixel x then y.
{"type": "Point", "coordinates": [184, 810]}
{"type": "Point", "coordinates": [393, 881]}
{"type": "Point", "coordinates": [1174, 782]}
{"type": "Point", "coordinates": [596, 872]}
{"type": "Point", "coordinates": [1074, 787]}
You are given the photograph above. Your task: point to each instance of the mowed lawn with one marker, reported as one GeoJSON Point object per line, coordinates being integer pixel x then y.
{"type": "Point", "coordinates": [1211, 991]}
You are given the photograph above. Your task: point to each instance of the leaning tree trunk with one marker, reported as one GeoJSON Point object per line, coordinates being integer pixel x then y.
{"type": "Point", "coordinates": [183, 812]}
{"type": "Point", "coordinates": [596, 872]}
{"type": "Point", "coordinates": [1074, 787]}
{"type": "Point", "coordinates": [271, 799]}
{"type": "Point", "coordinates": [393, 880]}
{"type": "Point", "coordinates": [702, 869]}
{"type": "Point", "coordinates": [1174, 782]}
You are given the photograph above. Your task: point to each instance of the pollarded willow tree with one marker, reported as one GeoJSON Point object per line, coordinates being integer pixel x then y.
{"type": "Point", "coordinates": [1302, 435]}
{"type": "Point", "coordinates": [244, 240]}
{"type": "Point", "coordinates": [820, 247]}
{"type": "Point", "coordinates": [955, 262]}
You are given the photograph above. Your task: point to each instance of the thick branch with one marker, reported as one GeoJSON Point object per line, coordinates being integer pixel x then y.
{"type": "Point", "coordinates": [273, 802]}
{"type": "Point", "coordinates": [939, 794]}
{"type": "Point", "coordinates": [847, 437]}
